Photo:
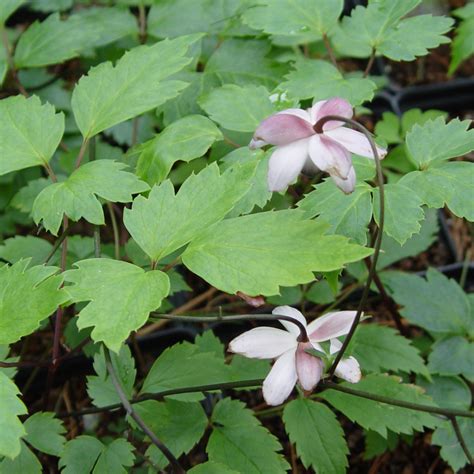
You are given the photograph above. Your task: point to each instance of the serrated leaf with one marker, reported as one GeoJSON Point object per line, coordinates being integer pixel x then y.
{"type": "Point", "coordinates": [23, 200]}
{"type": "Point", "coordinates": [164, 222]}
{"type": "Point", "coordinates": [378, 416]}
{"type": "Point", "coordinates": [77, 196]}
{"type": "Point", "coordinates": [29, 133]}
{"type": "Point", "coordinates": [437, 304]}
{"type": "Point", "coordinates": [45, 433]}
{"type": "Point", "coordinates": [25, 462]}
{"type": "Point", "coordinates": [317, 78]}
{"type": "Point", "coordinates": [403, 212]}
{"type": "Point", "coordinates": [318, 436]}
{"type": "Point", "coordinates": [185, 365]}
{"type": "Point", "coordinates": [238, 108]}
{"type": "Point", "coordinates": [25, 246]}
{"type": "Point", "coordinates": [138, 82]}
{"type": "Point", "coordinates": [100, 388]}
{"type": "Point", "coordinates": [375, 445]}
{"type": "Point", "coordinates": [446, 184]}
{"type": "Point", "coordinates": [86, 455]}
{"type": "Point", "coordinates": [11, 407]}
{"type": "Point", "coordinates": [121, 297]}
{"type": "Point", "coordinates": [447, 392]}
{"type": "Point", "coordinates": [348, 214]}
{"type": "Point", "coordinates": [179, 425]}
{"type": "Point", "coordinates": [7, 7]}
{"type": "Point", "coordinates": [240, 442]}
{"type": "Point", "coordinates": [183, 140]}
{"type": "Point", "coordinates": [211, 467]}
{"type": "Point", "coordinates": [250, 253]}
{"type": "Point", "coordinates": [462, 46]}
{"type": "Point", "coordinates": [37, 288]}
{"type": "Point", "coordinates": [378, 348]}
{"type": "Point", "coordinates": [295, 17]}
{"type": "Point", "coordinates": [437, 140]}
{"type": "Point", "coordinates": [453, 356]}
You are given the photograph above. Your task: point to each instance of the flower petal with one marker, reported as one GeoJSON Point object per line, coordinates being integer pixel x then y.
{"type": "Point", "coordinates": [354, 141]}
{"type": "Point", "coordinates": [292, 313]}
{"type": "Point", "coordinates": [281, 129]}
{"type": "Point", "coordinates": [331, 325]}
{"type": "Point", "coordinates": [346, 185]}
{"type": "Point", "coordinates": [335, 346]}
{"type": "Point", "coordinates": [263, 343]}
{"type": "Point", "coordinates": [308, 368]}
{"type": "Point", "coordinates": [349, 369]}
{"type": "Point", "coordinates": [335, 106]}
{"type": "Point", "coordinates": [329, 156]}
{"type": "Point", "coordinates": [286, 164]}
{"type": "Point", "coordinates": [282, 378]}
{"type": "Point", "coordinates": [301, 113]}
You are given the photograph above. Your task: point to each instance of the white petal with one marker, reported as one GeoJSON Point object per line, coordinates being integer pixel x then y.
{"type": "Point", "coordinates": [354, 141]}
{"type": "Point", "coordinates": [335, 346]}
{"type": "Point", "coordinates": [286, 164]}
{"type": "Point", "coordinates": [329, 156]}
{"type": "Point", "coordinates": [263, 343]}
{"type": "Point", "coordinates": [346, 185]}
{"type": "Point", "coordinates": [308, 368]}
{"type": "Point", "coordinates": [314, 111]}
{"type": "Point", "coordinates": [349, 369]}
{"type": "Point", "coordinates": [331, 325]}
{"type": "Point", "coordinates": [301, 113]}
{"type": "Point", "coordinates": [282, 378]}
{"type": "Point", "coordinates": [292, 313]}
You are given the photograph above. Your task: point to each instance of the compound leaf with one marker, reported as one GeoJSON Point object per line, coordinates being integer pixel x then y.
{"type": "Point", "coordinates": [45, 433]}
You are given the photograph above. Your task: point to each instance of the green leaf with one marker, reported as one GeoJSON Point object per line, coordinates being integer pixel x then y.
{"type": "Point", "coordinates": [389, 128]}
{"type": "Point", "coordinates": [45, 433]}
{"type": "Point", "coordinates": [10, 372]}
{"type": "Point", "coordinates": [121, 296]}
{"type": "Point", "coordinates": [50, 5]}
{"type": "Point", "coordinates": [77, 196]}
{"type": "Point", "coordinates": [38, 290]}
{"type": "Point", "coordinates": [403, 212]}
{"type": "Point", "coordinates": [238, 108]}
{"type": "Point", "coordinates": [25, 246]}
{"type": "Point", "coordinates": [447, 392]}
{"type": "Point", "coordinates": [211, 467]}
{"type": "Point", "coordinates": [185, 365]}
{"type": "Point", "coordinates": [378, 416]}
{"type": "Point", "coordinates": [23, 200]}
{"type": "Point", "coordinates": [179, 425]}
{"type": "Point", "coordinates": [378, 348]}
{"type": "Point", "coordinates": [29, 133]}
{"type": "Point", "coordinates": [11, 407]}
{"type": "Point", "coordinates": [453, 356]}
{"type": "Point", "coordinates": [437, 140]}
{"type": "Point", "coordinates": [437, 304]}
{"type": "Point", "coordinates": [375, 445]}
{"type": "Point", "coordinates": [25, 462]}
{"type": "Point", "coordinates": [85, 455]}
{"type": "Point", "coordinates": [295, 17]}
{"type": "Point", "coordinates": [318, 436]}
{"type": "Point", "coordinates": [244, 61]}
{"type": "Point", "coordinates": [317, 78]}
{"type": "Point", "coordinates": [7, 8]}
{"type": "Point", "coordinates": [239, 441]}
{"type": "Point", "coordinates": [100, 388]}
{"type": "Point", "coordinates": [164, 222]}
{"type": "Point", "coordinates": [451, 450]}
{"type": "Point", "coordinates": [463, 44]}
{"type": "Point", "coordinates": [250, 253]}
{"type": "Point", "coordinates": [348, 214]}
{"type": "Point", "coordinates": [414, 117]}
{"type": "Point", "coordinates": [183, 140]}
{"type": "Point", "coordinates": [138, 82]}
{"type": "Point", "coordinates": [446, 184]}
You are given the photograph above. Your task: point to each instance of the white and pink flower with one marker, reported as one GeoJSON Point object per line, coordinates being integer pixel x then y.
{"type": "Point", "coordinates": [293, 364]}
{"type": "Point", "coordinates": [300, 147]}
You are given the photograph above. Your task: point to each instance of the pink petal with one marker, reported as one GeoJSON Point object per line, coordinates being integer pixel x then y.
{"type": "Point", "coordinates": [335, 106]}
{"type": "Point", "coordinates": [335, 346]}
{"type": "Point", "coordinates": [263, 343]}
{"type": "Point", "coordinates": [286, 164]}
{"type": "Point", "coordinates": [301, 113]}
{"type": "Point", "coordinates": [281, 129]}
{"type": "Point", "coordinates": [329, 156]}
{"type": "Point", "coordinates": [292, 313]}
{"type": "Point", "coordinates": [308, 368]}
{"type": "Point", "coordinates": [282, 378]}
{"type": "Point", "coordinates": [331, 325]}
{"type": "Point", "coordinates": [346, 185]}
{"type": "Point", "coordinates": [349, 369]}
{"type": "Point", "coordinates": [354, 141]}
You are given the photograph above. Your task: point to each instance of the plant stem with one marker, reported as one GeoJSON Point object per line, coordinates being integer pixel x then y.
{"type": "Point", "coordinates": [461, 439]}
{"type": "Point", "coordinates": [330, 51]}
{"type": "Point", "coordinates": [138, 420]}
{"type": "Point", "coordinates": [11, 63]}
{"type": "Point", "coordinates": [57, 244]}
{"type": "Point", "coordinates": [370, 63]}
{"type": "Point", "coordinates": [81, 153]}
{"type": "Point", "coordinates": [115, 230]}
{"type": "Point", "coordinates": [318, 127]}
